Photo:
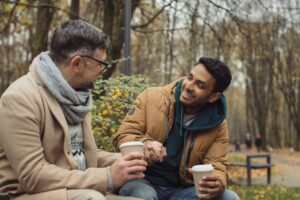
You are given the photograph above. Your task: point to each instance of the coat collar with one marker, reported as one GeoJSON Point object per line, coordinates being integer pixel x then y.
{"type": "Point", "coordinates": [52, 102]}
{"type": "Point", "coordinates": [169, 92]}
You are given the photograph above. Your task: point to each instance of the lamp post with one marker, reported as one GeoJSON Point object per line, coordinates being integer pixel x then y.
{"type": "Point", "coordinates": [127, 13]}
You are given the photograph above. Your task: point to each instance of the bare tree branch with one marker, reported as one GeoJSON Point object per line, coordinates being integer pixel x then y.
{"type": "Point", "coordinates": [235, 18]}
{"type": "Point", "coordinates": [159, 30]}
{"type": "Point", "coordinates": [17, 3]}
{"type": "Point", "coordinates": [153, 17]}
{"type": "Point", "coordinates": [6, 26]}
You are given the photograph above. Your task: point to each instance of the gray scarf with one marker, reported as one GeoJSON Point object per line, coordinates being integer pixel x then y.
{"type": "Point", "coordinates": [75, 104]}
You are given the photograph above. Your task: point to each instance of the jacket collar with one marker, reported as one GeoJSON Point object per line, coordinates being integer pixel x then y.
{"type": "Point", "coordinates": [169, 93]}
{"type": "Point", "coordinates": [33, 72]}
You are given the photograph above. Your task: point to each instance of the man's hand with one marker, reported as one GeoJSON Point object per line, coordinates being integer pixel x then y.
{"type": "Point", "coordinates": [212, 186]}
{"type": "Point", "coordinates": [154, 151]}
{"type": "Point", "coordinates": [127, 168]}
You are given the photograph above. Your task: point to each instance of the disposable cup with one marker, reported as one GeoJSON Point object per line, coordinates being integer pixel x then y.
{"type": "Point", "coordinates": [133, 146]}
{"type": "Point", "coordinates": [199, 171]}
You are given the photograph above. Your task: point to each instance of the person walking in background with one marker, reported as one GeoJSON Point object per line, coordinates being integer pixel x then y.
{"type": "Point", "coordinates": [258, 142]}
{"type": "Point", "coordinates": [248, 141]}
{"type": "Point", "coordinates": [237, 145]}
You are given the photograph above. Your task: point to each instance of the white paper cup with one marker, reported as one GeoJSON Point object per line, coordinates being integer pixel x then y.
{"type": "Point", "coordinates": [199, 171]}
{"type": "Point", "coordinates": [133, 146]}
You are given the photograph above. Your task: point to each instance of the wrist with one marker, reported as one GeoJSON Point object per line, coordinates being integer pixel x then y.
{"type": "Point", "coordinates": [110, 185]}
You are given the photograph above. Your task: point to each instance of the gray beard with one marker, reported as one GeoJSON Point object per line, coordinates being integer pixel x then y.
{"type": "Point", "coordinates": [85, 87]}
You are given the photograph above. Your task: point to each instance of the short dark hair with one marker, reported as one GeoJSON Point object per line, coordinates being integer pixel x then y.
{"type": "Point", "coordinates": [219, 71]}
{"type": "Point", "coordinates": [76, 36]}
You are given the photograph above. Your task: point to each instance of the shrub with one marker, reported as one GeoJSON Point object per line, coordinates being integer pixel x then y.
{"type": "Point", "coordinates": [112, 99]}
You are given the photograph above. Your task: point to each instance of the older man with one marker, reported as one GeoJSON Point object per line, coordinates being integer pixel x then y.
{"type": "Point", "coordinates": [47, 150]}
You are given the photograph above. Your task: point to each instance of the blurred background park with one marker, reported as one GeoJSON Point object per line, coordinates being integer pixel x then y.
{"type": "Point", "coordinates": [157, 41]}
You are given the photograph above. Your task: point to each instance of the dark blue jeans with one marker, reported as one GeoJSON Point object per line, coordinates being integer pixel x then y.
{"type": "Point", "coordinates": [145, 190]}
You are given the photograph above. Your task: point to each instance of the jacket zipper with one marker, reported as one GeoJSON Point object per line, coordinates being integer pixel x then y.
{"type": "Point", "coordinates": [189, 154]}
{"type": "Point", "coordinates": [167, 120]}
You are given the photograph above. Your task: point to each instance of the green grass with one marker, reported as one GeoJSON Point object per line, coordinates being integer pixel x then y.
{"type": "Point", "coordinates": [237, 159]}
{"type": "Point", "coordinates": [242, 159]}
{"type": "Point", "coordinates": [262, 192]}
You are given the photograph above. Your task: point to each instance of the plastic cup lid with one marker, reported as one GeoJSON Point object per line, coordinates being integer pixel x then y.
{"type": "Point", "coordinates": [134, 143]}
{"type": "Point", "coordinates": [202, 168]}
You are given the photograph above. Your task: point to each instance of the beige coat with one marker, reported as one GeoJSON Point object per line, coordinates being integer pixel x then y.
{"type": "Point", "coordinates": [152, 118]}
{"type": "Point", "coordinates": [35, 151]}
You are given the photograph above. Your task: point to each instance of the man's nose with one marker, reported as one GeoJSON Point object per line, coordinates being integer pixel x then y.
{"type": "Point", "coordinates": [189, 86]}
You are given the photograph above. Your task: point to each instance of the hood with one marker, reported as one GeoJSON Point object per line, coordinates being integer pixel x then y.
{"type": "Point", "coordinates": [210, 115]}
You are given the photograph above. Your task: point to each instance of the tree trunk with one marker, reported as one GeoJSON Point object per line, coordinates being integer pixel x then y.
{"type": "Point", "coordinates": [171, 45]}
{"type": "Point", "coordinates": [44, 17]}
{"type": "Point", "coordinates": [114, 28]}
{"type": "Point", "coordinates": [74, 9]}
{"type": "Point", "coordinates": [193, 39]}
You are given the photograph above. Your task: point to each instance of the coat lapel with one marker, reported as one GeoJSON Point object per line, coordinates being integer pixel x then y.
{"type": "Point", "coordinates": [59, 115]}
{"type": "Point", "coordinates": [90, 148]}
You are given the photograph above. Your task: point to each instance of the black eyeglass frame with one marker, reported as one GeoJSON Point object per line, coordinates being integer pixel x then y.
{"type": "Point", "coordinates": [106, 64]}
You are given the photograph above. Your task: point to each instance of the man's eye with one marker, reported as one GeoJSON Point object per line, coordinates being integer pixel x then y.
{"type": "Point", "coordinates": [189, 77]}
{"type": "Point", "coordinates": [201, 85]}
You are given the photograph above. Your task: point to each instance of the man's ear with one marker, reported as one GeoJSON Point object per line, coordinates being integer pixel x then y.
{"type": "Point", "coordinates": [214, 97]}
{"type": "Point", "coordinates": [76, 64]}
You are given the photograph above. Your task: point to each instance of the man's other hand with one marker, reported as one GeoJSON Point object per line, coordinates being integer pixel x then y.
{"type": "Point", "coordinates": [154, 151]}
{"type": "Point", "coordinates": [212, 186]}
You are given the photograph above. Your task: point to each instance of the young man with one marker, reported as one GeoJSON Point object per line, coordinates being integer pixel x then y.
{"type": "Point", "coordinates": [187, 117]}
{"type": "Point", "coordinates": [47, 150]}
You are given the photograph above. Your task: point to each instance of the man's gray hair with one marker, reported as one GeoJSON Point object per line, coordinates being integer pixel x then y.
{"type": "Point", "coordinates": [76, 37]}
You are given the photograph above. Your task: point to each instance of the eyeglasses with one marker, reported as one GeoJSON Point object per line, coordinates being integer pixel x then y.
{"type": "Point", "coordinates": [103, 63]}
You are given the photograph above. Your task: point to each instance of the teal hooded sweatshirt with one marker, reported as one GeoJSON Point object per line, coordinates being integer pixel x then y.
{"type": "Point", "coordinates": [166, 174]}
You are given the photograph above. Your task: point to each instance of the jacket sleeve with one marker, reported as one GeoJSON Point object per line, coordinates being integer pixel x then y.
{"type": "Point", "coordinates": [133, 127]}
{"type": "Point", "coordinates": [20, 128]}
{"type": "Point", "coordinates": [217, 153]}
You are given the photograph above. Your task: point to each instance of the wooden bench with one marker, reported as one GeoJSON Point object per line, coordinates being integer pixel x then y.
{"type": "Point", "coordinates": [249, 165]}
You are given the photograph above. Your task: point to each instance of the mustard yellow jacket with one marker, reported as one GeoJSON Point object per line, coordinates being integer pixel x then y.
{"type": "Point", "coordinates": [36, 162]}
{"type": "Point", "coordinates": [152, 117]}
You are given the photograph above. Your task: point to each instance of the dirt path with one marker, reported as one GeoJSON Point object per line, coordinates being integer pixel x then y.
{"type": "Point", "coordinates": [288, 174]}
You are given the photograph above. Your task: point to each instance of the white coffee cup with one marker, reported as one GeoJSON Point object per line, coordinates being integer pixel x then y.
{"type": "Point", "coordinates": [133, 146]}
{"type": "Point", "coordinates": [199, 171]}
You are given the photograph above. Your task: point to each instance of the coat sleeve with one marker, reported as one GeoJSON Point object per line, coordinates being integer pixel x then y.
{"type": "Point", "coordinates": [20, 133]}
{"type": "Point", "coordinates": [217, 153]}
{"type": "Point", "coordinates": [105, 159]}
{"type": "Point", "coordinates": [133, 127]}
